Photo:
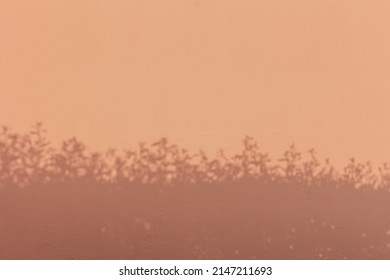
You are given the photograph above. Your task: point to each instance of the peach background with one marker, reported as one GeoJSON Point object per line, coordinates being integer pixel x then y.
{"type": "Point", "coordinates": [203, 73]}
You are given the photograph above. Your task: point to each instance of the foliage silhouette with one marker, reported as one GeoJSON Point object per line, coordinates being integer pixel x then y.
{"type": "Point", "coordinates": [28, 159]}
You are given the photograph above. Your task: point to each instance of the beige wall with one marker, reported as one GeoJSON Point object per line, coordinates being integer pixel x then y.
{"type": "Point", "coordinates": [203, 73]}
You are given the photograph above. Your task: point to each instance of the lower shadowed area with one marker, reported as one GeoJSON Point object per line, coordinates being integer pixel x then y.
{"type": "Point", "coordinates": [215, 221]}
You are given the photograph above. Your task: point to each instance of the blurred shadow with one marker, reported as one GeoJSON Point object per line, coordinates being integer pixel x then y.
{"type": "Point", "coordinates": [160, 201]}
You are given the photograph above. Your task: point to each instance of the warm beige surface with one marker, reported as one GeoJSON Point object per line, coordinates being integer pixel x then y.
{"type": "Point", "coordinates": [203, 73]}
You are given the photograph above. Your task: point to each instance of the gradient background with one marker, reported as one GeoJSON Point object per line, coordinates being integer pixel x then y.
{"type": "Point", "coordinates": [203, 73]}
